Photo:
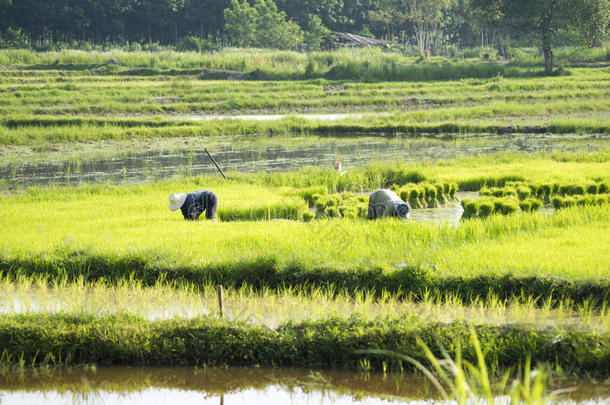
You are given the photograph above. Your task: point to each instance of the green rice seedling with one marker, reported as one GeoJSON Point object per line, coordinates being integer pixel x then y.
{"type": "Point", "coordinates": [523, 192]}
{"type": "Point", "coordinates": [603, 188]}
{"type": "Point", "coordinates": [544, 191]}
{"type": "Point", "coordinates": [535, 205]}
{"type": "Point", "coordinates": [563, 189]}
{"type": "Point", "coordinates": [557, 202]}
{"type": "Point", "coordinates": [554, 189]}
{"type": "Point", "coordinates": [525, 205]}
{"type": "Point", "coordinates": [470, 206]}
{"type": "Point", "coordinates": [486, 208]}
{"type": "Point", "coordinates": [509, 206]}
{"type": "Point", "coordinates": [309, 193]}
{"type": "Point", "coordinates": [592, 188]}
{"type": "Point", "coordinates": [576, 189]}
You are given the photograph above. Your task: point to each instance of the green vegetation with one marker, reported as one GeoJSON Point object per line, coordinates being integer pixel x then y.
{"type": "Point", "coordinates": [77, 96]}
{"type": "Point", "coordinates": [205, 341]}
{"type": "Point", "coordinates": [107, 274]}
{"type": "Point", "coordinates": [263, 306]}
{"type": "Point", "coordinates": [115, 233]}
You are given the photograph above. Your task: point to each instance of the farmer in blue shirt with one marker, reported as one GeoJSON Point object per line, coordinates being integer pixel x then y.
{"type": "Point", "coordinates": [386, 203]}
{"type": "Point", "coordinates": [193, 204]}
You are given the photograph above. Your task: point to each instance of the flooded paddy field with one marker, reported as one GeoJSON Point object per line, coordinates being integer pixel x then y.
{"type": "Point", "coordinates": [141, 161]}
{"type": "Point", "coordinates": [152, 385]}
{"type": "Point", "coordinates": [273, 308]}
{"type": "Point", "coordinates": [102, 274]}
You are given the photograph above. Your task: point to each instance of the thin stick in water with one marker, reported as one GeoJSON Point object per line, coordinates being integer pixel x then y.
{"type": "Point", "coordinates": [215, 164]}
{"type": "Point", "coordinates": [220, 300]}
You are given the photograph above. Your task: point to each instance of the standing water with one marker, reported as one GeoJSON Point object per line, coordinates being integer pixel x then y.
{"type": "Point", "coordinates": [101, 163]}
{"type": "Point", "coordinates": [128, 385]}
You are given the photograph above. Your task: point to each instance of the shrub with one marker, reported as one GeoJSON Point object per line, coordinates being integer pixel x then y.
{"type": "Point", "coordinates": [192, 43]}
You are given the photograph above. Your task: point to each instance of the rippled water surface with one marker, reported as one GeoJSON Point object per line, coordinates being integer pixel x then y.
{"type": "Point", "coordinates": [160, 159]}
{"type": "Point", "coordinates": [123, 385]}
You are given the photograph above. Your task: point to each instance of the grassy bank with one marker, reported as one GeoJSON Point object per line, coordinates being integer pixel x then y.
{"type": "Point", "coordinates": [128, 340]}
{"type": "Point", "coordinates": [367, 127]}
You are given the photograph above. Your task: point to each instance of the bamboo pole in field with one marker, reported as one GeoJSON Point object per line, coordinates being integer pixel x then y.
{"type": "Point", "coordinates": [215, 164]}
{"type": "Point", "coordinates": [220, 300]}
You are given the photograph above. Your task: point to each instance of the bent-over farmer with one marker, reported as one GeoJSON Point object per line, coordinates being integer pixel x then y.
{"type": "Point", "coordinates": [193, 204]}
{"type": "Point", "coordinates": [386, 203]}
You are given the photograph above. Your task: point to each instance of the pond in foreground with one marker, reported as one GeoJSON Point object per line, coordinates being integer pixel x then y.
{"type": "Point", "coordinates": [237, 386]}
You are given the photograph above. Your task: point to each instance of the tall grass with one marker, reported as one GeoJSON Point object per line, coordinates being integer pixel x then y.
{"type": "Point", "coordinates": [30, 340]}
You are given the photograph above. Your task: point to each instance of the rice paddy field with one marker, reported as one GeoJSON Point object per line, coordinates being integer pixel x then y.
{"type": "Point", "coordinates": [496, 289]}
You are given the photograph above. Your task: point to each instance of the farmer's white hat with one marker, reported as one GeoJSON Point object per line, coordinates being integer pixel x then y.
{"type": "Point", "coordinates": [176, 201]}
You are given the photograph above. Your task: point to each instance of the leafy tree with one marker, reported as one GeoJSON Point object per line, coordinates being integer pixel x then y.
{"type": "Point", "coordinates": [486, 18]}
{"type": "Point", "coordinates": [329, 11]}
{"type": "Point", "coordinates": [389, 13]}
{"type": "Point", "coordinates": [261, 25]}
{"type": "Point", "coordinates": [544, 17]}
{"type": "Point", "coordinates": [240, 23]}
{"type": "Point", "coordinates": [315, 33]}
{"type": "Point", "coordinates": [426, 16]}
{"type": "Point", "coordinates": [592, 20]}
{"type": "Point", "coordinates": [273, 29]}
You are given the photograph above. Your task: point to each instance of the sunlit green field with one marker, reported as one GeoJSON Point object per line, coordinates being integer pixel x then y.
{"type": "Point", "coordinates": [68, 96]}
{"type": "Point", "coordinates": [107, 274]}
{"type": "Point", "coordinates": [122, 222]}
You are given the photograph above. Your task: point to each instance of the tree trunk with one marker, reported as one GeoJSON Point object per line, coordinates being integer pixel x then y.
{"type": "Point", "coordinates": [547, 47]}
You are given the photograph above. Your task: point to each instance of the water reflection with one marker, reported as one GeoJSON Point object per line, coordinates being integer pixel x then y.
{"type": "Point", "coordinates": [264, 154]}
{"type": "Point", "coordinates": [124, 385]}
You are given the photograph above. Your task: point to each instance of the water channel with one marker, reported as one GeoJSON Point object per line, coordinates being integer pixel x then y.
{"type": "Point", "coordinates": [254, 386]}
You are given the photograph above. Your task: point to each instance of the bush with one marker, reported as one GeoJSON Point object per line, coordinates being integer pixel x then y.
{"type": "Point", "coordinates": [192, 43]}
{"type": "Point", "coordinates": [13, 39]}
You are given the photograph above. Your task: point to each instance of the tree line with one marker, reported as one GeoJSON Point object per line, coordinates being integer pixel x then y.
{"type": "Point", "coordinates": [429, 25]}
